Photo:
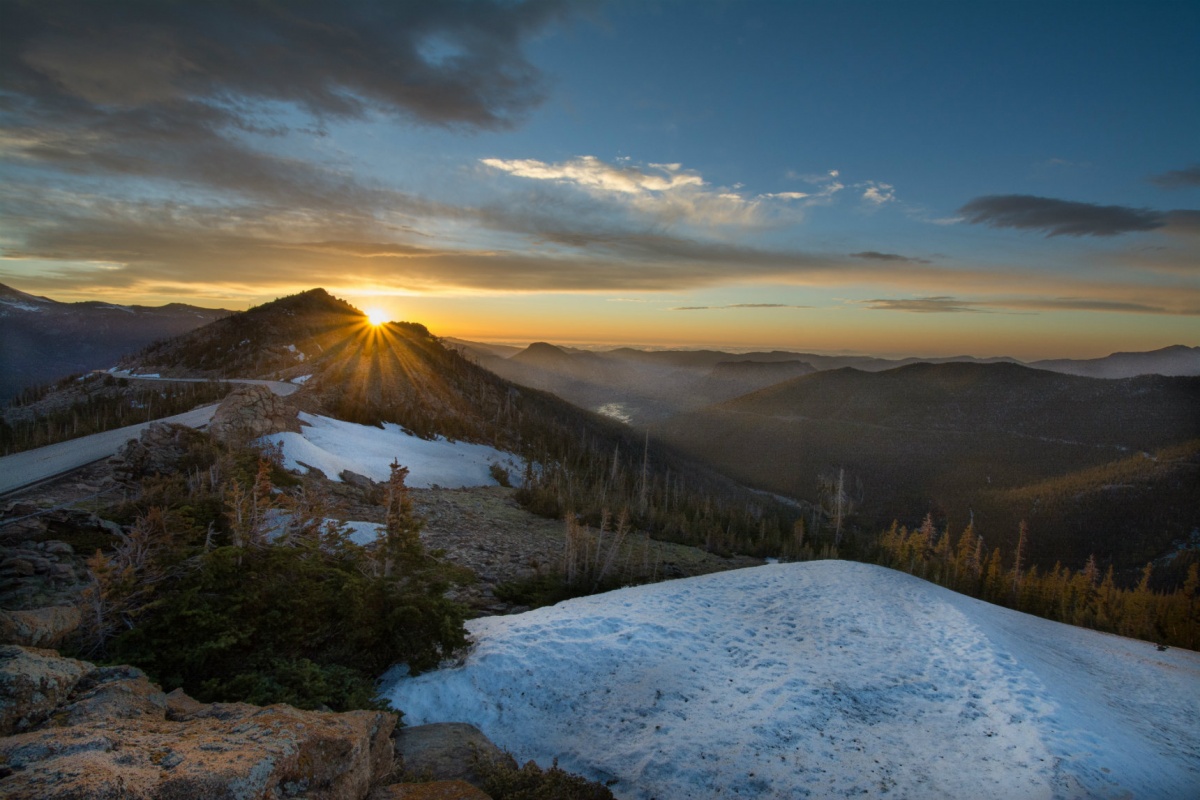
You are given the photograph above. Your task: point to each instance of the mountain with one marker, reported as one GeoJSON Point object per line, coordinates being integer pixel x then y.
{"type": "Point", "coordinates": [44, 340]}
{"type": "Point", "coordinates": [822, 679]}
{"type": "Point", "coordinates": [1175, 360]}
{"type": "Point", "coordinates": [938, 437]}
{"type": "Point", "coordinates": [401, 373]}
{"type": "Point", "coordinates": [763, 373]}
{"type": "Point", "coordinates": [647, 387]}
{"type": "Point", "coordinates": [641, 387]}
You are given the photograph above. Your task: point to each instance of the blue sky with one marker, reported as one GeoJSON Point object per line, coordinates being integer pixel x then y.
{"type": "Point", "coordinates": [903, 178]}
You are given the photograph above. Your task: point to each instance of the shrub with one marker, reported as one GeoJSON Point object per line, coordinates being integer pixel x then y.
{"type": "Point", "coordinates": [531, 782]}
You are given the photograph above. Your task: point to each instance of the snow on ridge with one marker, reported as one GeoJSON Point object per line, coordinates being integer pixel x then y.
{"type": "Point", "coordinates": [332, 446]}
{"type": "Point", "coordinates": [822, 679]}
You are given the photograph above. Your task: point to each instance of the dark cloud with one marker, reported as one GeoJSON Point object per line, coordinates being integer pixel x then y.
{"type": "Point", "coordinates": [1059, 217]}
{"type": "Point", "coordinates": [1186, 178]}
{"type": "Point", "coordinates": [875, 255]}
{"type": "Point", "coordinates": [178, 92]}
{"type": "Point", "coordinates": [448, 62]}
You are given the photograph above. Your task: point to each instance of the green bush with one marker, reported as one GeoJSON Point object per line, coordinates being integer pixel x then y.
{"type": "Point", "coordinates": [289, 624]}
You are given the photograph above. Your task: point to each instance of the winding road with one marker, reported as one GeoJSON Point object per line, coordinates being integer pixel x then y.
{"type": "Point", "coordinates": [31, 466]}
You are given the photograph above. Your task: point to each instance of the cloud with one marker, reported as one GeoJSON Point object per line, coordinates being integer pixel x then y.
{"type": "Point", "coordinates": [660, 193]}
{"type": "Point", "coordinates": [736, 305]}
{"type": "Point", "coordinates": [924, 305]}
{"type": "Point", "coordinates": [445, 63]}
{"type": "Point", "coordinates": [877, 193]}
{"type": "Point", "coordinates": [1186, 178]}
{"type": "Point", "coordinates": [180, 98]}
{"type": "Point", "coordinates": [952, 305]}
{"type": "Point", "coordinates": [1059, 217]}
{"type": "Point", "coordinates": [874, 255]}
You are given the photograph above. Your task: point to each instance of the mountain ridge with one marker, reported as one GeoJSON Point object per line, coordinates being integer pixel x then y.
{"type": "Point", "coordinates": [45, 340]}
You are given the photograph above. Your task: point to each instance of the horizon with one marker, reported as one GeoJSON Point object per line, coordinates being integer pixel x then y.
{"type": "Point", "coordinates": [902, 180]}
{"type": "Point", "coordinates": [604, 346]}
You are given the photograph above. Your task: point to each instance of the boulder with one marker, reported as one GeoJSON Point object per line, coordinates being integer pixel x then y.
{"type": "Point", "coordinates": [160, 450]}
{"type": "Point", "coordinates": [39, 627]}
{"type": "Point", "coordinates": [33, 683]}
{"type": "Point", "coordinates": [109, 732]}
{"type": "Point", "coordinates": [251, 411]}
{"type": "Point", "coordinates": [447, 751]}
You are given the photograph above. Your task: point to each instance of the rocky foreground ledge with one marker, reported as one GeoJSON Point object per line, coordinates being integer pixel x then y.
{"type": "Point", "coordinates": [74, 730]}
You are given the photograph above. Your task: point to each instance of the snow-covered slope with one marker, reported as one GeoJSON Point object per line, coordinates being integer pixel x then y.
{"type": "Point", "coordinates": [331, 446]}
{"type": "Point", "coordinates": [826, 679]}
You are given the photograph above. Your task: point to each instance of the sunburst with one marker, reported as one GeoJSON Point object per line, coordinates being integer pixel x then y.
{"type": "Point", "coordinates": [376, 317]}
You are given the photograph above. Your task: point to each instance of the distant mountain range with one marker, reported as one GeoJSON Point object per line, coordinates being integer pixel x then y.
{"type": "Point", "coordinates": [650, 386]}
{"type": "Point", "coordinates": [951, 438]}
{"type": "Point", "coordinates": [42, 340]}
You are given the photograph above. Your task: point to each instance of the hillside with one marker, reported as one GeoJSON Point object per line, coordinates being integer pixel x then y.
{"type": "Point", "coordinates": [1175, 360]}
{"type": "Point", "coordinates": [44, 340]}
{"type": "Point", "coordinates": [827, 679]}
{"type": "Point", "coordinates": [401, 373]}
{"type": "Point", "coordinates": [937, 438]}
{"type": "Point", "coordinates": [639, 387]}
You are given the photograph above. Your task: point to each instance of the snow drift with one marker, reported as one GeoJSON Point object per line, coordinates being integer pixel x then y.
{"type": "Point", "coordinates": [332, 446]}
{"type": "Point", "coordinates": [824, 679]}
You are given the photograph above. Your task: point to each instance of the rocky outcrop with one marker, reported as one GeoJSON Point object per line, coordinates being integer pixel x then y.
{"type": "Point", "coordinates": [39, 627]}
{"type": "Point", "coordinates": [160, 450]}
{"type": "Point", "coordinates": [80, 731]}
{"type": "Point", "coordinates": [39, 582]}
{"type": "Point", "coordinates": [33, 683]}
{"type": "Point", "coordinates": [251, 411]}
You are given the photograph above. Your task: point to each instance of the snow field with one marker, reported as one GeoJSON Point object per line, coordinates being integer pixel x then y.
{"type": "Point", "coordinates": [826, 679]}
{"type": "Point", "coordinates": [332, 446]}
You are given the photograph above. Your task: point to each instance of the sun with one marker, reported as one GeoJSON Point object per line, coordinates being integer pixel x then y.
{"type": "Point", "coordinates": [376, 317]}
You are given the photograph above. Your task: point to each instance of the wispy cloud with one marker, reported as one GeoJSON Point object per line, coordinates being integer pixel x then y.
{"type": "Point", "coordinates": [874, 255]}
{"type": "Point", "coordinates": [953, 305]}
{"type": "Point", "coordinates": [658, 193]}
{"type": "Point", "coordinates": [737, 305]}
{"type": "Point", "coordinates": [925, 305]}
{"type": "Point", "coordinates": [1059, 217]}
{"type": "Point", "coordinates": [1186, 178]}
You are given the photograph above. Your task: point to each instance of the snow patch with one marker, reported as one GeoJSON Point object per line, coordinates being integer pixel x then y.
{"type": "Point", "coordinates": [332, 446]}
{"type": "Point", "coordinates": [825, 679]}
{"type": "Point", "coordinates": [301, 379]}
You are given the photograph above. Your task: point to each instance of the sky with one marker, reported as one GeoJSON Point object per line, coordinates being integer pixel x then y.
{"type": "Point", "coordinates": [895, 178]}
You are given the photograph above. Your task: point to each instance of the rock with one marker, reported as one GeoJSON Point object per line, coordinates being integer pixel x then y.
{"type": "Point", "coordinates": [39, 627]}
{"type": "Point", "coordinates": [109, 693]}
{"type": "Point", "coordinates": [180, 705]}
{"type": "Point", "coordinates": [447, 751]}
{"type": "Point", "coordinates": [159, 451]}
{"type": "Point", "coordinates": [249, 412]}
{"type": "Point", "coordinates": [435, 790]}
{"type": "Point", "coordinates": [58, 548]}
{"type": "Point", "coordinates": [33, 683]}
{"type": "Point", "coordinates": [22, 567]}
{"type": "Point", "coordinates": [109, 732]}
